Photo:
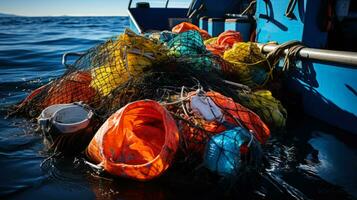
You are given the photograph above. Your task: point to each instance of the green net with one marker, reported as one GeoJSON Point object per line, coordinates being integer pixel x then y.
{"type": "Point", "coordinates": [189, 48]}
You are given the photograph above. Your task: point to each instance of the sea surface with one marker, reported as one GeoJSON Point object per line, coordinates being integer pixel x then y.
{"type": "Point", "coordinates": [310, 161]}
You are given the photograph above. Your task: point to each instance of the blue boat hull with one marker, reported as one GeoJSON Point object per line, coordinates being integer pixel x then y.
{"type": "Point", "coordinates": [328, 92]}
{"type": "Point", "coordinates": [150, 19]}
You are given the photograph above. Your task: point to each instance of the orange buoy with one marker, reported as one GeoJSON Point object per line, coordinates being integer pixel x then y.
{"type": "Point", "coordinates": [139, 141]}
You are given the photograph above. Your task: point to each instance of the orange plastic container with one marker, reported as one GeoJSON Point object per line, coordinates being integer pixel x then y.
{"type": "Point", "coordinates": [139, 141]}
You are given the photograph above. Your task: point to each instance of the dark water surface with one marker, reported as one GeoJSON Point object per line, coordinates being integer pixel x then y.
{"type": "Point", "coordinates": [311, 161]}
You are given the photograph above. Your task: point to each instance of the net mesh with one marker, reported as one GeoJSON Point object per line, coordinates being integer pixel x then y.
{"type": "Point", "coordinates": [93, 77]}
{"type": "Point", "coordinates": [130, 67]}
{"type": "Point", "coordinates": [196, 131]}
{"type": "Point", "coordinates": [266, 106]}
{"type": "Point", "coordinates": [247, 65]}
{"type": "Point", "coordinates": [189, 48]}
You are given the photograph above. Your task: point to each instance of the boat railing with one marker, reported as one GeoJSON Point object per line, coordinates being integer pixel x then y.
{"type": "Point", "coordinates": [163, 3]}
{"type": "Point", "coordinates": [346, 58]}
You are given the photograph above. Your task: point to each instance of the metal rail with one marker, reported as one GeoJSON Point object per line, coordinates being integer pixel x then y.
{"type": "Point", "coordinates": [340, 57]}
{"type": "Point", "coordinates": [67, 54]}
{"type": "Point", "coordinates": [131, 1]}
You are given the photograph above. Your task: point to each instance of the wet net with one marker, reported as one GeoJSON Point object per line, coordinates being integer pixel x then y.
{"type": "Point", "coordinates": [94, 77]}
{"type": "Point", "coordinates": [189, 49]}
{"type": "Point", "coordinates": [247, 65]}
{"type": "Point", "coordinates": [130, 67]}
{"type": "Point", "coordinates": [266, 106]}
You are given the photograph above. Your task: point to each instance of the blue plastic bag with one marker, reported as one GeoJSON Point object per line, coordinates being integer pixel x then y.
{"type": "Point", "coordinates": [222, 154]}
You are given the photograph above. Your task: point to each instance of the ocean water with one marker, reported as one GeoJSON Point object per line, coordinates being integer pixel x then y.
{"type": "Point", "coordinates": [310, 161]}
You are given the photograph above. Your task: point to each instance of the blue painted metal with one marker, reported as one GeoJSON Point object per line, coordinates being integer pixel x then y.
{"type": "Point", "coordinates": [273, 25]}
{"type": "Point", "coordinates": [240, 25]}
{"type": "Point", "coordinates": [148, 19]}
{"type": "Point", "coordinates": [215, 26]}
{"type": "Point", "coordinates": [203, 23]}
{"type": "Point", "coordinates": [329, 92]}
{"type": "Point", "coordinates": [215, 9]}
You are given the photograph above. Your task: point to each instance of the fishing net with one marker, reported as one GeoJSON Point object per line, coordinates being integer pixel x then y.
{"type": "Point", "coordinates": [163, 36]}
{"type": "Point", "coordinates": [196, 131]}
{"type": "Point", "coordinates": [188, 47]}
{"type": "Point", "coordinates": [266, 106]}
{"type": "Point", "coordinates": [186, 26]}
{"type": "Point", "coordinates": [228, 152]}
{"type": "Point", "coordinates": [94, 76]}
{"type": "Point", "coordinates": [74, 86]}
{"type": "Point", "coordinates": [247, 65]}
{"type": "Point", "coordinates": [223, 42]}
{"type": "Point", "coordinates": [116, 62]}
{"type": "Point", "coordinates": [130, 67]}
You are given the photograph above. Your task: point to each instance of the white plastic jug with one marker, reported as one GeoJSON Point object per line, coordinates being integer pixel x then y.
{"type": "Point", "coordinates": [66, 118]}
{"type": "Point", "coordinates": [204, 106]}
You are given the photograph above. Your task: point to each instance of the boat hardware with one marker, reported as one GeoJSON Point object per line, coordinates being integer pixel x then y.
{"type": "Point", "coordinates": [340, 57]}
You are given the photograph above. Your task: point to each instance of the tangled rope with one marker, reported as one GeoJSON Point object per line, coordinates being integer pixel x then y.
{"type": "Point", "coordinates": [293, 48]}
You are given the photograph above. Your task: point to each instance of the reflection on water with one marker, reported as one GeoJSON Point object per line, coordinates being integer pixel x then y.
{"type": "Point", "coordinates": [331, 161]}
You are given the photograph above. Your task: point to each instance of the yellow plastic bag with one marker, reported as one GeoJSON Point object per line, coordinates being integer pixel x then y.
{"type": "Point", "coordinates": [270, 110]}
{"type": "Point", "coordinates": [248, 64]}
{"type": "Point", "coordinates": [120, 59]}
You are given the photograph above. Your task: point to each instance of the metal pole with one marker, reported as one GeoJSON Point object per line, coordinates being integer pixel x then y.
{"type": "Point", "coordinates": [341, 57]}
{"type": "Point", "coordinates": [129, 6]}
{"type": "Point", "coordinates": [167, 3]}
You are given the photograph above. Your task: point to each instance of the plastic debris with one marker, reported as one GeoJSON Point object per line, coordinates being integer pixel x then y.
{"type": "Point", "coordinates": [223, 42]}
{"type": "Point", "coordinates": [138, 138]}
{"type": "Point", "coordinates": [270, 110]}
{"type": "Point", "coordinates": [226, 152]}
{"type": "Point", "coordinates": [186, 26]}
{"type": "Point", "coordinates": [188, 48]}
{"type": "Point", "coordinates": [196, 131]}
{"type": "Point", "coordinates": [118, 60]}
{"type": "Point", "coordinates": [248, 65]}
{"type": "Point", "coordinates": [139, 141]}
{"type": "Point", "coordinates": [65, 118]}
{"type": "Point", "coordinates": [206, 108]}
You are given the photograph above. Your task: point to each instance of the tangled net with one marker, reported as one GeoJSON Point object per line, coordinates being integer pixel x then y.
{"type": "Point", "coordinates": [133, 67]}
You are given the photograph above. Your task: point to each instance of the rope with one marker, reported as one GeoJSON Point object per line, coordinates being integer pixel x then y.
{"type": "Point", "coordinates": [248, 8]}
{"type": "Point", "coordinates": [289, 12]}
{"type": "Point", "coordinates": [291, 55]}
{"type": "Point", "coordinates": [293, 48]}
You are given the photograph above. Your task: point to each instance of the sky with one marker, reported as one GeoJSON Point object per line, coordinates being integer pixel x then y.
{"type": "Point", "coordinates": [64, 7]}
{"type": "Point", "coordinates": [73, 7]}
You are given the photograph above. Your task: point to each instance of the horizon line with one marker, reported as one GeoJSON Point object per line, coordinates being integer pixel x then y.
{"type": "Point", "coordinates": [70, 15]}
